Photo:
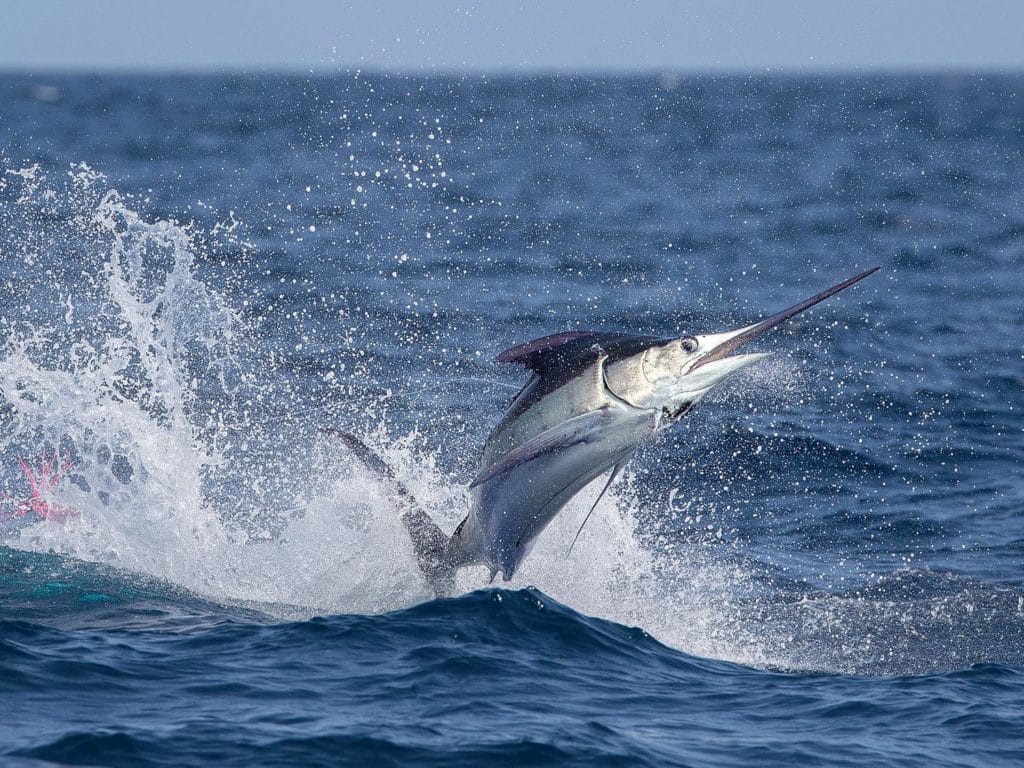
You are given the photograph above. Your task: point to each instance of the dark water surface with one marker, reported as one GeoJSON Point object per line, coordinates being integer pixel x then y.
{"type": "Point", "coordinates": [822, 565]}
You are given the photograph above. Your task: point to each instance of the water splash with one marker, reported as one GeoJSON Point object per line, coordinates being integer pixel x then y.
{"type": "Point", "coordinates": [150, 387]}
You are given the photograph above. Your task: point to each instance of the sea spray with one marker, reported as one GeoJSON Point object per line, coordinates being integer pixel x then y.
{"type": "Point", "coordinates": [194, 457]}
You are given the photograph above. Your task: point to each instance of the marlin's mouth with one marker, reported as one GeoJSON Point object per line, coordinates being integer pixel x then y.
{"type": "Point", "coordinates": [731, 341]}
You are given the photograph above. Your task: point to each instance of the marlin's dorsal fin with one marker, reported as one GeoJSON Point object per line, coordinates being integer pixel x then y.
{"type": "Point", "coordinates": [561, 349]}
{"type": "Point", "coordinates": [578, 429]}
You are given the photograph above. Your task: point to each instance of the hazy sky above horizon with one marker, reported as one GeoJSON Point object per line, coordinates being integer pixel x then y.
{"type": "Point", "coordinates": [604, 35]}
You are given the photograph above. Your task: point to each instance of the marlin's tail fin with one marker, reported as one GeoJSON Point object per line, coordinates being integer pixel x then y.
{"type": "Point", "coordinates": [436, 553]}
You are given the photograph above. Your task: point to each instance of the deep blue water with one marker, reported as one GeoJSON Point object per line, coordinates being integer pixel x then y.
{"type": "Point", "coordinates": [823, 565]}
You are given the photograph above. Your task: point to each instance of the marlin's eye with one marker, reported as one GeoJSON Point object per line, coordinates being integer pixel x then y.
{"type": "Point", "coordinates": [689, 345]}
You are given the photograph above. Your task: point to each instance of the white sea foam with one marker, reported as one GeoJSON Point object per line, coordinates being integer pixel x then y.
{"type": "Point", "coordinates": [122, 400]}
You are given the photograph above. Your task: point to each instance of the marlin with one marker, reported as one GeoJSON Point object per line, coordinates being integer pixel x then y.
{"type": "Point", "coordinates": [592, 400]}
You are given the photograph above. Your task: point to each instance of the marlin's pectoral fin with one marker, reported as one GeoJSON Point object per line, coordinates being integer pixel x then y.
{"type": "Point", "coordinates": [611, 479]}
{"type": "Point", "coordinates": [579, 429]}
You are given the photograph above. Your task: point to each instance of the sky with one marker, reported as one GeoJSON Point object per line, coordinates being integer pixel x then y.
{"type": "Point", "coordinates": [501, 36]}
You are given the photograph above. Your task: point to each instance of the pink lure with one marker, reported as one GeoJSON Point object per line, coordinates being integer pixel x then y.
{"type": "Point", "coordinates": [51, 472]}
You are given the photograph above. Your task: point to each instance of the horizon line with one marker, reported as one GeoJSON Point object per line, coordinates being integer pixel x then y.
{"type": "Point", "coordinates": [506, 72]}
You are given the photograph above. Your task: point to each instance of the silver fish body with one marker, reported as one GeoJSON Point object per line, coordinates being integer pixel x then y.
{"type": "Point", "coordinates": [595, 431]}
{"type": "Point", "coordinates": [593, 398]}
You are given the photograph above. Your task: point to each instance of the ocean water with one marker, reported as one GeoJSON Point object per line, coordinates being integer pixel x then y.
{"type": "Point", "coordinates": [201, 276]}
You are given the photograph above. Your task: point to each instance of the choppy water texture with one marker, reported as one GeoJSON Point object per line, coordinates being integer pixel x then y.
{"type": "Point", "coordinates": [821, 565]}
